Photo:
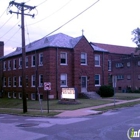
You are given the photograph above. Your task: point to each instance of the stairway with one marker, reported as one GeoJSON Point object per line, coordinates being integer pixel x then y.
{"type": "Point", "coordinates": [92, 95]}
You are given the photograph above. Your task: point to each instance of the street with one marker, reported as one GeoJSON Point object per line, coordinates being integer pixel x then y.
{"type": "Point", "coordinates": [111, 125]}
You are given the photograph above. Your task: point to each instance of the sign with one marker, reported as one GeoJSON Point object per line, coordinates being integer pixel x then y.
{"type": "Point", "coordinates": [114, 81]}
{"type": "Point", "coordinates": [68, 93]}
{"type": "Point", "coordinates": [47, 86]}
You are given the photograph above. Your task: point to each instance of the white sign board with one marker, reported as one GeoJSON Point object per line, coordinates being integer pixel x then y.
{"type": "Point", "coordinates": [68, 93]}
{"type": "Point", "coordinates": [47, 86]}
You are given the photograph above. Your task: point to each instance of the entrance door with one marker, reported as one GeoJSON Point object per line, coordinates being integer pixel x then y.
{"type": "Point", "coordinates": [83, 83]}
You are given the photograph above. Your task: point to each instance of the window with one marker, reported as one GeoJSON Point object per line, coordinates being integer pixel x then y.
{"type": "Point", "coordinates": [33, 96]}
{"type": "Point", "coordinates": [9, 95]}
{"type": "Point", "coordinates": [4, 65]}
{"type": "Point", "coordinates": [14, 64]}
{"type": "Point", "coordinates": [138, 63]}
{"type": "Point", "coordinates": [63, 80]}
{"type": "Point", "coordinates": [63, 58]}
{"type": "Point", "coordinates": [83, 59]}
{"type": "Point", "coordinates": [9, 81]}
{"type": "Point", "coordinates": [97, 60]}
{"type": "Point", "coordinates": [9, 65]}
{"type": "Point", "coordinates": [109, 65]}
{"type": "Point", "coordinates": [40, 80]}
{"type": "Point", "coordinates": [26, 61]}
{"type": "Point", "coordinates": [138, 77]}
{"type": "Point", "coordinates": [119, 65]}
{"type": "Point", "coordinates": [128, 77]}
{"type": "Point", "coordinates": [120, 77]}
{"type": "Point", "coordinates": [33, 60]}
{"type": "Point", "coordinates": [14, 95]}
{"type": "Point", "coordinates": [128, 64]}
{"type": "Point", "coordinates": [20, 63]}
{"type": "Point", "coordinates": [40, 59]}
{"type": "Point", "coordinates": [20, 81]}
{"type": "Point", "coordinates": [97, 80]}
{"type": "Point", "coordinates": [14, 81]}
{"type": "Point", "coordinates": [20, 95]}
{"type": "Point", "coordinates": [4, 81]}
{"type": "Point", "coordinates": [33, 80]}
{"type": "Point", "coordinates": [27, 81]}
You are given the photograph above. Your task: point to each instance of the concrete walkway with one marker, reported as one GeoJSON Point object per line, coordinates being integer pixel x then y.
{"type": "Point", "coordinates": [90, 110]}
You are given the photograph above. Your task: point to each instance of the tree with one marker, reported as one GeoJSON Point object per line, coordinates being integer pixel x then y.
{"type": "Point", "coordinates": [136, 38]}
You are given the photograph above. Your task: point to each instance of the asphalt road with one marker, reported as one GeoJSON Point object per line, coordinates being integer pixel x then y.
{"type": "Point", "coordinates": [112, 125]}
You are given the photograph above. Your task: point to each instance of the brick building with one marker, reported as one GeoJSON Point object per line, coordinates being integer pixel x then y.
{"type": "Point", "coordinates": [125, 63]}
{"type": "Point", "coordinates": [60, 59]}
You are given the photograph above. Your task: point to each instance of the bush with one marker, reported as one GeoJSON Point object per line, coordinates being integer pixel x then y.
{"type": "Point", "coordinates": [106, 91]}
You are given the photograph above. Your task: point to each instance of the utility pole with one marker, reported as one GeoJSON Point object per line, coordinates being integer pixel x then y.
{"type": "Point", "coordinates": [22, 7]}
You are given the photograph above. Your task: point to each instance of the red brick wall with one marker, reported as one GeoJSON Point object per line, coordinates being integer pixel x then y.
{"type": "Point", "coordinates": [83, 70]}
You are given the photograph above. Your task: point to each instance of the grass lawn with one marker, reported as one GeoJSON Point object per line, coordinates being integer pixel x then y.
{"type": "Point", "coordinates": [118, 106]}
{"type": "Point", "coordinates": [126, 96]}
{"type": "Point", "coordinates": [53, 104]}
{"type": "Point", "coordinates": [15, 106]}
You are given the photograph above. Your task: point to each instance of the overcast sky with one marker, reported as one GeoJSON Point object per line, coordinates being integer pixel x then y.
{"type": "Point", "coordinates": [108, 21]}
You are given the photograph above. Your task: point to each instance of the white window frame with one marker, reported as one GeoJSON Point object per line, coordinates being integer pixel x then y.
{"type": "Point", "coordinates": [41, 80]}
{"type": "Point", "coordinates": [33, 61]}
{"type": "Point", "coordinates": [20, 63]}
{"type": "Point", "coordinates": [9, 81]}
{"type": "Point", "coordinates": [26, 62]}
{"type": "Point", "coordinates": [40, 59]}
{"type": "Point", "coordinates": [33, 80]}
{"type": "Point", "coordinates": [63, 78]}
{"type": "Point", "coordinates": [109, 65]}
{"type": "Point", "coordinates": [63, 55]}
{"type": "Point", "coordinates": [27, 80]}
{"type": "Point", "coordinates": [4, 81]}
{"type": "Point", "coordinates": [33, 96]}
{"type": "Point", "coordinates": [9, 94]}
{"type": "Point", "coordinates": [14, 95]}
{"type": "Point", "coordinates": [20, 95]}
{"type": "Point", "coordinates": [9, 64]}
{"type": "Point", "coordinates": [128, 64]}
{"type": "Point", "coordinates": [97, 59]}
{"type": "Point", "coordinates": [138, 63]}
{"type": "Point", "coordinates": [4, 66]}
{"type": "Point", "coordinates": [20, 81]}
{"type": "Point", "coordinates": [14, 81]}
{"type": "Point", "coordinates": [99, 79]}
{"type": "Point", "coordinates": [14, 64]}
{"type": "Point", "coordinates": [83, 57]}
{"type": "Point", "coordinates": [128, 77]}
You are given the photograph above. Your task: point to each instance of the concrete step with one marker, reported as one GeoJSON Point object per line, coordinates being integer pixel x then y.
{"type": "Point", "coordinates": [92, 95]}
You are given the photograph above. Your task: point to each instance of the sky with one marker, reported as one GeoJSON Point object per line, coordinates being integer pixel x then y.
{"type": "Point", "coordinates": [107, 21]}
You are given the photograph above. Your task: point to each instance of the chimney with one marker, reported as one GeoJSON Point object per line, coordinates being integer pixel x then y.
{"type": "Point", "coordinates": [1, 48]}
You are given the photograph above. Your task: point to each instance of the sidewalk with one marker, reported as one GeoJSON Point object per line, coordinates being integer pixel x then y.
{"type": "Point", "coordinates": [90, 110]}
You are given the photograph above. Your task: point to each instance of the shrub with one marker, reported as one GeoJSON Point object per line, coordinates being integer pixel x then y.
{"type": "Point", "coordinates": [106, 91]}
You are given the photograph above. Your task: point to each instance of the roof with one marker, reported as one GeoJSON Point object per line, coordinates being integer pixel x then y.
{"type": "Point", "coordinates": [116, 48]}
{"type": "Point", "coordinates": [96, 48]}
{"type": "Point", "coordinates": [57, 40]}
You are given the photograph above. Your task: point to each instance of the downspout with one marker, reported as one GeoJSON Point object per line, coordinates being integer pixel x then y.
{"type": "Point", "coordinates": [36, 75]}
{"type": "Point", "coordinates": [57, 96]}
{"type": "Point", "coordinates": [103, 69]}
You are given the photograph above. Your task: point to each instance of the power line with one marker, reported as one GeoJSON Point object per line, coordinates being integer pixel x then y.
{"type": "Point", "coordinates": [52, 13]}
{"type": "Point", "coordinates": [3, 13]}
{"type": "Point", "coordinates": [6, 22]}
{"type": "Point", "coordinates": [12, 36]}
{"type": "Point", "coordinates": [9, 30]}
{"type": "Point", "coordinates": [72, 18]}
{"type": "Point", "coordinates": [41, 3]}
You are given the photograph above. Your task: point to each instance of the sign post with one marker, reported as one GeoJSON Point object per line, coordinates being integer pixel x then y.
{"type": "Point", "coordinates": [47, 87]}
{"type": "Point", "coordinates": [114, 81]}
